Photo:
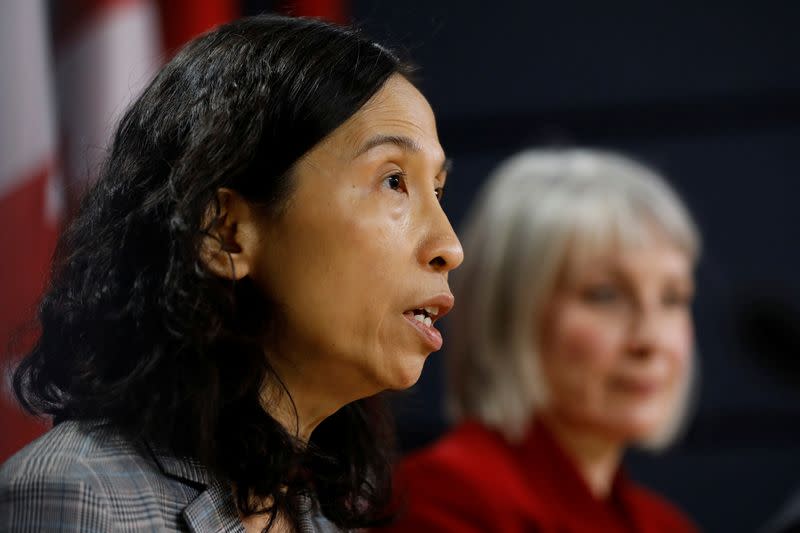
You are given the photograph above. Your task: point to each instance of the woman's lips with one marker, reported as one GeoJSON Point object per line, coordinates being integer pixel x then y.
{"type": "Point", "coordinates": [424, 315]}
{"type": "Point", "coordinates": [431, 335]}
{"type": "Point", "coordinates": [638, 387]}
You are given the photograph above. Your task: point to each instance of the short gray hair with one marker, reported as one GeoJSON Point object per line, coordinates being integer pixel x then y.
{"type": "Point", "coordinates": [534, 207]}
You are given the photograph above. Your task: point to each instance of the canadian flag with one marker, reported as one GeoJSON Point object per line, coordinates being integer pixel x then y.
{"type": "Point", "coordinates": [31, 189]}
{"type": "Point", "coordinates": [332, 10]}
{"type": "Point", "coordinates": [62, 91]}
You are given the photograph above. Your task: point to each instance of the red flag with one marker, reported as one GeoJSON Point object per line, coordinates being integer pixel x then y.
{"type": "Point", "coordinates": [181, 20]}
{"type": "Point", "coordinates": [332, 10]}
{"type": "Point", "coordinates": [106, 51]}
{"type": "Point", "coordinates": [30, 201]}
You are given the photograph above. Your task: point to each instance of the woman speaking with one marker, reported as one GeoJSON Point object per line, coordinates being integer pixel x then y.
{"type": "Point", "coordinates": [264, 250]}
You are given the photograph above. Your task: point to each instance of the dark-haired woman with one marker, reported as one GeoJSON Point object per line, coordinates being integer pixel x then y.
{"type": "Point", "coordinates": [264, 250]}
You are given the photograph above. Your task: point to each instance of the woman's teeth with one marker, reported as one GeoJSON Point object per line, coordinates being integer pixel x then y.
{"type": "Point", "coordinates": [426, 315]}
{"type": "Point", "coordinates": [424, 319]}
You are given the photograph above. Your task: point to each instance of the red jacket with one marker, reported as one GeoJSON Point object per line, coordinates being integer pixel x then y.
{"type": "Point", "coordinates": [473, 481]}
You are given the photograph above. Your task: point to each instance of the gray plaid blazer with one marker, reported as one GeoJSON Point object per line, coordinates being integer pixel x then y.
{"type": "Point", "coordinates": [87, 477]}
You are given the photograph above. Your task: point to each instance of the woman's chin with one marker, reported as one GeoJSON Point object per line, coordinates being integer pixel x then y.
{"type": "Point", "coordinates": [407, 375]}
{"type": "Point", "coordinates": [624, 429]}
{"type": "Point", "coordinates": [639, 423]}
{"type": "Point", "coordinates": [637, 430]}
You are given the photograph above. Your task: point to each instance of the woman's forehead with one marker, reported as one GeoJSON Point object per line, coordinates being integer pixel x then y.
{"type": "Point", "coordinates": [649, 248]}
{"type": "Point", "coordinates": [398, 109]}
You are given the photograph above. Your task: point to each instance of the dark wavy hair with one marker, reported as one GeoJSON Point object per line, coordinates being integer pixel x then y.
{"type": "Point", "coordinates": [136, 331]}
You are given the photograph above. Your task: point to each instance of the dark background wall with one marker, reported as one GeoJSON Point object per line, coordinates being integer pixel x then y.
{"type": "Point", "coordinates": [708, 92]}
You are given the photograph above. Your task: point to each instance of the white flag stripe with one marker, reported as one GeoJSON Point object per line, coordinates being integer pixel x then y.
{"type": "Point", "coordinates": [103, 67]}
{"type": "Point", "coordinates": [27, 118]}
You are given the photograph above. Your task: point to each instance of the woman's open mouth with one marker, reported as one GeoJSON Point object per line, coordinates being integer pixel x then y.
{"type": "Point", "coordinates": [423, 317]}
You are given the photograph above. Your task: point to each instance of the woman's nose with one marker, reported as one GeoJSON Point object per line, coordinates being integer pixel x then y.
{"type": "Point", "coordinates": [643, 336]}
{"type": "Point", "coordinates": [441, 250]}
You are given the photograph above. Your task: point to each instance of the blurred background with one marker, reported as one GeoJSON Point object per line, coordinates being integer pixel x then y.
{"type": "Point", "coordinates": [709, 93]}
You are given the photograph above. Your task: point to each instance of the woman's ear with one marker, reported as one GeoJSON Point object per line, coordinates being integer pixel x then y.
{"type": "Point", "coordinates": [227, 248]}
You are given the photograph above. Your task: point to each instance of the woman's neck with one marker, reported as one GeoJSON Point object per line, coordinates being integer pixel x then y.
{"type": "Point", "coordinates": [317, 388]}
{"type": "Point", "coordinates": [597, 457]}
{"type": "Point", "coordinates": [296, 412]}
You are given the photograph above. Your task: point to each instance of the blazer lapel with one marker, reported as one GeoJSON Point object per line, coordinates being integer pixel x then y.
{"type": "Point", "coordinates": [213, 510]}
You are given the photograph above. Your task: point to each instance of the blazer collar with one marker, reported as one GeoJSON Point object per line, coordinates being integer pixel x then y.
{"type": "Point", "coordinates": [213, 510]}
{"type": "Point", "coordinates": [182, 467]}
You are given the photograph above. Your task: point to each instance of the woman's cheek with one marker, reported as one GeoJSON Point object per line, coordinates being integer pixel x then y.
{"type": "Point", "coordinates": [679, 341]}
{"type": "Point", "coordinates": [589, 340]}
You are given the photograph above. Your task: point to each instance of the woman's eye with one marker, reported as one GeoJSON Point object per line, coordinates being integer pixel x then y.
{"type": "Point", "coordinates": [601, 294]}
{"type": "Point", "coordinates": [676, 299]}
{"type": "Point", "coordinates": [396, 181]}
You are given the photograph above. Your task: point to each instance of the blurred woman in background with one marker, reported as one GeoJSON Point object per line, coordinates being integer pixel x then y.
{"type": "Point", "coordinates": [572, 341]}
{"type": "Point", "coordinates": [264, 250]}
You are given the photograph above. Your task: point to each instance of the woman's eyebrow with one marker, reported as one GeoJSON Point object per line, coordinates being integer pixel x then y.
{"type": "Point", "coordinates": [407, 144]}
{"type": "Point", "coordinates": [401, 141]}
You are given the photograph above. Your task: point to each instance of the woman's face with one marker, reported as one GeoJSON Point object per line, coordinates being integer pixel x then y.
{"type": "Point", "coordinates": [616, 340]}
{"type": "Point", "coordinates": [358, 261]}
